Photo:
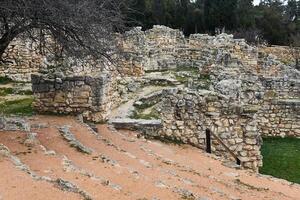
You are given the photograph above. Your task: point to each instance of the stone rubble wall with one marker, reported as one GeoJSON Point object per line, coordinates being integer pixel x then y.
{"type": "Point", "coordinates": [280, 118]}
{"type": "Point", "coordinates": [246, 74]}
{"type": "Point", "coordinates": [94, 97]}
{"type": "Point", "coordinates": [280, 111]}
{"type": "Point", "coordinates": [276, 62]}
{"type": "Point", "coordinates": [23, 59]}
{"type": "Point", "coordinates": [162, 48]}
{"type": "Point", "coordinates": [281, 88]}
{"type": "Point", "coordinates": [187, 114]}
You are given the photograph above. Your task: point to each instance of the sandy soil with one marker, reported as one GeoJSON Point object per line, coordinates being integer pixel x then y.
{"type": "Point", "coordinates": [122, 167]}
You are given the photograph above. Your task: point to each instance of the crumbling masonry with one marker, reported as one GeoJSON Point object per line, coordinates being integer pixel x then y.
{"type": "Point", "coordinates": [251, 92]}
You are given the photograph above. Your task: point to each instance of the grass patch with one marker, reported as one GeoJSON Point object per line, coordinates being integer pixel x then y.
{"type": "Point", "coordinates": [181, 79]}
{"type": "Point", "coordinates": [139, 115]}
{"type": "Point", "coordinates": [192, 70]}
{"type": "Point", "coordinates": [145, 105]}
{"type": "Point", "coordinates": [24, 92]}
{"type": "Point", "coordinates": [5, 80]}
{"type": "Point", "coordinates": [17, 107]}
{"type": "Point", "coordinates": [281, 158]}
{"type": "Point", "coordinates": [9, 91]}
{"type": "Point", "coordinates": [6, 91]}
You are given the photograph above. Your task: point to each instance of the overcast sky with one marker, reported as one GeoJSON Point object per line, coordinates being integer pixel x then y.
{"type": "Point", "coordinates": [256, 2]}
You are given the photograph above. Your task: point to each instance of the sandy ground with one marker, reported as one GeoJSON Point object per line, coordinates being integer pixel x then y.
{"type": "Point", "coordinates": [122, 167]}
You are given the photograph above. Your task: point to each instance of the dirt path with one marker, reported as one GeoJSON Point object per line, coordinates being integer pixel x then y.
{"type": "Point", "coordinates": [121, 166]}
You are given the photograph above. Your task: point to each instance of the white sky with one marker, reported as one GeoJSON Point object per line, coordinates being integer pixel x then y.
{"type": "Point", "coordinates": [256, 2]}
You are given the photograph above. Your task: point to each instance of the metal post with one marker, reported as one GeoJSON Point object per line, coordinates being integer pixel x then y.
{"type": "Point", "coordinates": [208, 141]}
{"type": "Point", "coordinates": [238, 161]}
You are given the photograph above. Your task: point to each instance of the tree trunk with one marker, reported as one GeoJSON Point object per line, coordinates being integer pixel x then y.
{"type": "Point", "coordinates": [5, 40]}
{"type": "Point", "coordinates": [7, 37]}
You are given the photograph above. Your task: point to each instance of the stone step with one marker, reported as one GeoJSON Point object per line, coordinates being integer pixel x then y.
{"type": "Point", "coordinates": [148, 127]}
{"type": "Point", "coordinates": [149, 99]}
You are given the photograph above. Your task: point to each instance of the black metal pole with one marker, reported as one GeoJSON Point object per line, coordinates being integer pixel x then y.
{"type": "Point", "coordinates": [238, 161]}
{"type": "Point", "coordinates": [208, 141]}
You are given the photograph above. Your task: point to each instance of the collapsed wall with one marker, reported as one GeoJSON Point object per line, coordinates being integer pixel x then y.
{"type": "Point", "coordinates": [186, 116]}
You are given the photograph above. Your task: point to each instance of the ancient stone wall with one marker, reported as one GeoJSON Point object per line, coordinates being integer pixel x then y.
{"type": "Point", "coordinates": [280, 118]}
{"type": "Point", "coordinates": [280, 111]}
{"type": "Point", "coordinates": [22, 59]}
{"type": "Point", "coordinates": [281, 88]}
{"type": "Point", "coordinates": [162, 48]}
{"type": "Point", "coordinates": [246, 74]}
{"type": "Point", "coordinates": [269, 65]}
{"type": "Point", "coordinates": [94, 97]}
{"type": "Point", "coordinates": [187, 114]}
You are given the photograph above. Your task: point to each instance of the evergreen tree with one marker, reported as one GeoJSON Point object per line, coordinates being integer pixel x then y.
{"type": "Point", "coordinates": [273, 19]}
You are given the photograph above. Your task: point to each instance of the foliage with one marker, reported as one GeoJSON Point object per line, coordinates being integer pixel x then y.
{"type": "Point", "coordinates": [281, 158]}
{"type": "Point", "coordinates": [271, 19]}
{"type": "Point", "coordinates": [78, 28]}
{"type": "Point", "coordinates": [295, 49]}
{"type": "Point", "coordinates": [139, 112]}
{"type": "Point", "coordinates": [5, 80]}
{"type": "Point", "coordinates": [17, 107]}
{"type": "Point", "coordinates": [8, 91]}
{"type": "Point", "coordinates": [139, 115]}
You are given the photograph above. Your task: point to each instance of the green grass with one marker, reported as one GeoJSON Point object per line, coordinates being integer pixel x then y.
{"type": "Point", "coordinates": [145, 105]}
{"type": "Point", "coordinates": [139, 115]}
{"type": "Point", "coordinates": [17, 107]}
{"type": "Point", "coordinates": [8, 91]}
{"type": "Point", "coordinates": [5, 80]}
{"type": "Point", "coordinates": [281, 158]}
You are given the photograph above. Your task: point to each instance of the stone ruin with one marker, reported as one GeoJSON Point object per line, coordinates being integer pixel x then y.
{"type": "Point", "coordinates": [186, 116]}
{"type": "Point", "coordinates": [239, 92]}
{"type": "Point", "coordinates": [92, 96]}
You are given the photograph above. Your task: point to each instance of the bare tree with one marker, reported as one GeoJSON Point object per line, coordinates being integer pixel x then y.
{"type": "Point", "coordinates": [80, 27]}
{"type": "Point", "coordinates": [295, 49]}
